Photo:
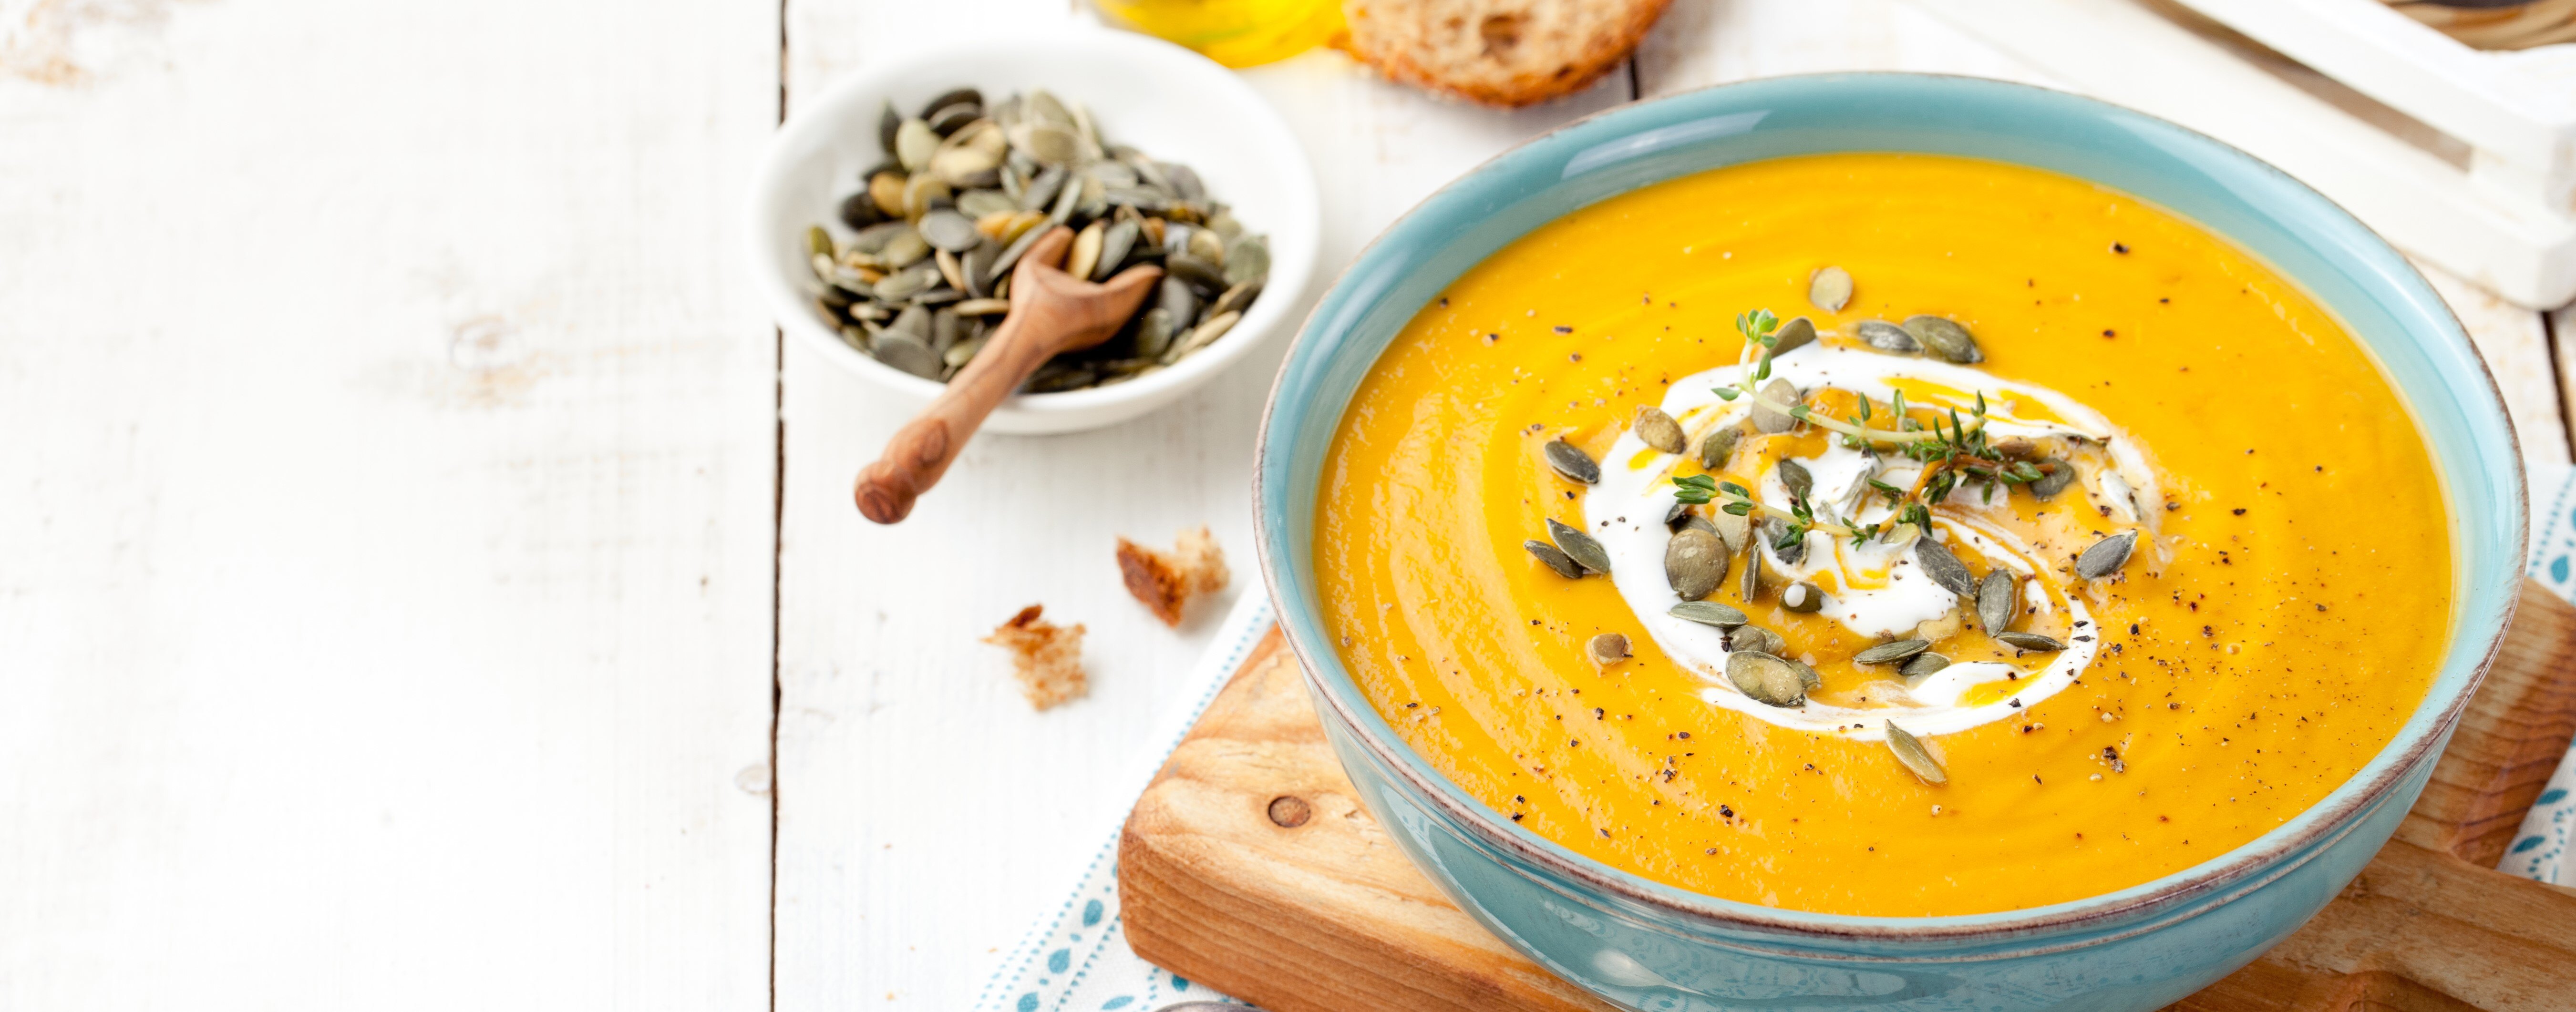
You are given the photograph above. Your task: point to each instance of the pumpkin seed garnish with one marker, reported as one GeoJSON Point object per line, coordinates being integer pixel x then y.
{"type": "Point", "coordinates": [2106, 556]}
{"type": "Point", "coordinates": [972, 185]}
{"type": "Point", "coordinates": [1795, 477]}
{"type": "Point", "coordinates": [2031, 641]}
{"type": "Point", "coordinates": [1696, 522]}
{"type": "Point", "coordinates": [1803, 598]}
{"type": "Point", "coordinates": [1996, 595]}
{"type": "Point", "coordinates": [1766, 679]}
{"type": "Point", "coordinates": [1923, 664]}
{"type": "Point", "coordinates": [1695, 563]}
{"type": "Point", "coordinates": [1797, 333]}
{"type": "Point", "coordinates": [1709, 613]}
{"type": "Point", "coordinates": [1659, 430]}
{"type": "Point", "coordinates": [1737, 531]}
{"type": "Point", "coordinates": [1570, 461]}
{"type": "Point", "coordinates": [1943, 567]}
{"type": "Point", "coordinates": [1769, 421]}
{"type": "Point", "coordinates": [1910, 753]}
{"type": "Point", "coordinates": [1579, 546]}
{"type": "Point", "coordinates": [1555, 559]}
{"type": "Point", "coordinates": [1945, 338]}
{"type": "Point", "coordinates": [1775, 533]}
{"type": "Point", "coordinates": [1886, 336]}
{"type": "Point", "coordinates": [1607, 649]}
{"type": "Point", "coordinates": [1751, 585]}
{"type": "Point", "coordinates": [2055, 481]}
{"type": "Point", "coordinates": [1830, 289]}
{"type": "Point", "coordinates": [1756, 639]}
{"type": "Point", "coordinates": [1718, 446]}
{"type": "Point", "coordinates": [1890, 653]}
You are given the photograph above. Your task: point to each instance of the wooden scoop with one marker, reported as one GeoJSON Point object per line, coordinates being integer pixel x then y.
{"type": "Point", "coordinates": [1051, 312]}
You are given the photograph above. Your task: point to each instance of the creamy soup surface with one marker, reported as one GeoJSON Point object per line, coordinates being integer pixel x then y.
{"type": "Point", "coordinates": [1870, 740]}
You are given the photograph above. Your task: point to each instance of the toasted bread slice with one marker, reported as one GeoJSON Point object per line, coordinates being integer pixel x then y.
{"type": "Point", "coordinates": [1167, 581]}
{"type": "Point", "coordinates": [1498, 52]}
{"type": "Point", "coordinates": [1045, 657]}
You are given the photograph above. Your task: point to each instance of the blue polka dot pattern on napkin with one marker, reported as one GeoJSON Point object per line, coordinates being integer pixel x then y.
{"type": "Point", "coordinates": [2540, 850]}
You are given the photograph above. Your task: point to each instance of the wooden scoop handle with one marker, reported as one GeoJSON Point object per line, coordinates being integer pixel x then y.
{"type": "Point", "coordinates": [1051, 312]}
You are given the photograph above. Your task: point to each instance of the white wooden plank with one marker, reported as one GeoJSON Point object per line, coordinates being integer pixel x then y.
{"type": "Point", "coordinates": [385, 504]}
{"type": "Point", "coordinates": [925, 812]}
{"type": "Point", "coordinates": [2515, 344]}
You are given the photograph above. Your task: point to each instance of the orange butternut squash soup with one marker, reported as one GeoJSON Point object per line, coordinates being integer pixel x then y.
{"type": "Point", "coordinates": [1884, 534]}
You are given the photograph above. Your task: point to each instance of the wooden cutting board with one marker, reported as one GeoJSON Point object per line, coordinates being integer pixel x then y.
{"type": "Point", "coordinates": [1248, 864]}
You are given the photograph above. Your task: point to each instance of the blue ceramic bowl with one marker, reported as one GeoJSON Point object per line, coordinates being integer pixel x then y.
{"type": "Point", "coordinates": [1645, 945]}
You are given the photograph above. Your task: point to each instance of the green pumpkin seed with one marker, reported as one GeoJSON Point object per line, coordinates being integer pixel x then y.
{"type": "Point", "coordinates": [950, 231]}
{"type": "Point", "coordinates": [1579, 546]}
{"type": "Point", "coordinates": [1886, 336]}
{"type": "Point", "coordinates": [1207, 277]}
{"type": "Point", "coordinates": [1830, 289]}
{"type": "Point", "coordinates": [1758, 640]}
{"type": "Point", "coordinates": [1708, 613]}
{"type": "Point", "coordinates": [1206, 245]}
{"type": "Point", "coordinates": [889, 122]}
{"type": "Point", "coordinates": [976, 204]}
{"type": "Point", "coordinates": [1607, 649]}
{"type": "Point", "coordinates": [1201, 336]}
{"type": "Point", "coordinates": [818, 242]}
{"type": "Point", "coordinates": [1718, 446]}
{"type": "Point", "coordinates": [1767, 420]}
{"type": "Point", "coordinates": [1808, 677]}
{"type": "Point", "coordinates": [1911, 754]}
{"type": "Point", "coordinates": [1696, 522]}
{"type": "Point", "coordinates": [1795, 477]}
{"type": "Point", "coordinates": [1803, 598]}
{"type": "Point", "coordinates": [1923, 664]}
{"type": "Point", "coordinates": [2031, 641]}
{"type": "Point", "coordinates": [1043, 188]}
{"type": "Point", "coordinates": [1751, 585]}
{"type": "Point", "coordinates": [1766, 679]}
{"type": "Point", "coordinates": [2106, 556]}
{"type": "Point", "coordinates": [1114, 246]}
{"type": "Point", "coordinates": [1048, 143]}
{"type": "Point", "coordinates": [904, 249]}
{"type": "Point", "coordinates": [914, 143]}
{"type": "Point", "coordinates": [1247, 259]}
{"type": "Point", "coordinates": [1772, 529]}
{"type": "Point", "coordinates": [1735, 529]}
{"type": "Point", "coordinates": [1176, 297]}
{"type": "Point", "coordinates": [1154, 333]}
{"type": "Point", "coordinates": [1996, 595]}
{"type": "Point", "coordinates": [1798, 333]}
{"type": "Point", "coordinates": [1659, 430]}
{"type": "Point", "coordinates": [1694, 563]}
{"type": "Point", "coordinates": [1572, 462]}
{"type": "Point", "coordinates": [2054, 481]}
{"type": "Point", "coordinates": [904, 351]}
{"type": "Point", "coordinates": [1554, 559]}
{"type": "Point", "coordinates": [953, 96]}
{"type": "Point", "coordinates": [1943, 567]}
{"type": "Point", "coordinates": [1237, 298]}
{"type": "Point", "coordinates": [1890, 653]}
{"type": "Point", "coordinates": [1946, 339]}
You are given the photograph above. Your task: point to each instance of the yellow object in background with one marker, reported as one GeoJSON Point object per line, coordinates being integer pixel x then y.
{"type": "Point", "coordinates": [1237, 33]}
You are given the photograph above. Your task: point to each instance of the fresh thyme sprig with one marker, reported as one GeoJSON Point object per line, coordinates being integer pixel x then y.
{"type": "Point", "coordinates": [1954, 455]}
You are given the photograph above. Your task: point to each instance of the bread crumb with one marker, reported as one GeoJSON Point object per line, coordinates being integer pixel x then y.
{"type": "Point", "coordinates": [1166, 581]}
{"type": "Point", "coordinates": [1045, 657]}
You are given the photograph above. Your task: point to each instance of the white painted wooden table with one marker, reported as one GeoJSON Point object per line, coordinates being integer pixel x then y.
{"type": "Point", "coordinates": [427, 583]}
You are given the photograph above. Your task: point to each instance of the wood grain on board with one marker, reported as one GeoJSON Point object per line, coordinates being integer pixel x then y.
{"type": "Point", "coordinates": [1249, 865]}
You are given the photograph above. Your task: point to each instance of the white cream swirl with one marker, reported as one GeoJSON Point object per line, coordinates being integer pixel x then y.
{"type": "Point", "coordinates": [1881, 593]}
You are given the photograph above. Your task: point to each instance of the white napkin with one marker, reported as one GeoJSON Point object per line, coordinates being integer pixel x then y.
{"type": "Point", "coordinates": [1075, 957]}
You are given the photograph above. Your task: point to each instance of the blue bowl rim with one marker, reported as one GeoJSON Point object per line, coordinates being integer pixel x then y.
{"type": "Point", "coordinates": [2225, 877]}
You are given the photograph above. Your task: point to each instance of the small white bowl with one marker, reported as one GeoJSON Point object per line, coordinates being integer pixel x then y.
{"type": "Point", "coordinates": [1166, 101]}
